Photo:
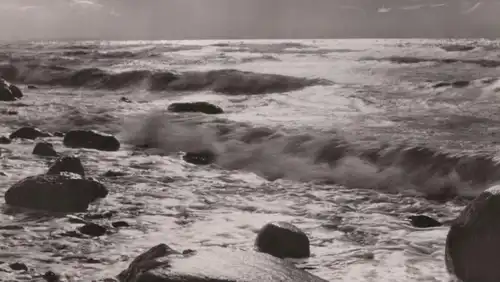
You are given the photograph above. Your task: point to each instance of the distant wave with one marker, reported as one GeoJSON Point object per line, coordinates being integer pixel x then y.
{"type": "Point", "coordinates": [317, 157]}
{"type": "Point", "coordinates": [416, 60]}
{"type": "Point", "coordinates": [226, 81]}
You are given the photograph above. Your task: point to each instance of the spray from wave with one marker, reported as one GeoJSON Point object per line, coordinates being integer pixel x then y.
{"type": "Point", "coordinates": [275, 154]}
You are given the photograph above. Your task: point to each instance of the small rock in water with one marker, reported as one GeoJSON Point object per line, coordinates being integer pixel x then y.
{"type": "Point", "coordinates": [283, 240]}
{"type": "Point", "coordinates": [32, 87]}
{"type": "Point", "coordinates": [204, 157]}
{"type": "Point", "coordinates": [91, 139]}
{"type": "Point", "coordinates": [3, 173]}
{"type": "Point", "coordinates": [29, 133]}
{"type": "Point", "coordinates": [92, 229]}
{"type": "Point", "coordinates": [100, 215]}
{"type": "Point", "coordinates": [198, 107]}
{"type": "Point", "coordinates": [460, 83]}
{"type": "Point", "coordinates": [120, 224]}
{"type": "Point", "coordinates": [5, 140]}
{"type": "Point", "coordinates": [114, 173]}
{"type": "Point", "coordinates": [18, 266]}
{"type": "Point", "coordinates": [441, 84]}
{"type": "Point", "coordinates": [71, 164]}
{"type": "Point", "coordinates": [423, 221]}
{"type": "Point", "coordinates": [58, 134]}
{"type": "Point", "coordinates": [125, 100]}
{"type": "Point", "coordinates": [50, 276]}
{"type": "Point", "coordinates": [45, 149]}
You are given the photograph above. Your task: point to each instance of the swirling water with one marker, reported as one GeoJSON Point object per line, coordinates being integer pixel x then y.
{"type": "Point", "coordinates": [343, 138]}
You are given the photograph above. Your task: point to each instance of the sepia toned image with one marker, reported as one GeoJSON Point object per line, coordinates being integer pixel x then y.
{"type": "Point", "coordinates": [249, 140]}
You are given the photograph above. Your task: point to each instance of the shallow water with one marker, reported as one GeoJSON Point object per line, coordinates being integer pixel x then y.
{"type": "Point", "coordinates": [298, 156]}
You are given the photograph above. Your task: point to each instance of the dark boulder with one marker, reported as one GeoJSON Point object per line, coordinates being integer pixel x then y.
{"type": "Point", "coordinates": [18, 266]}
{"type": "Point", "coordinates": [91, 139]}
{"type": "Point", "coordinates": [65, 192]}
{"type": "Point", "coordinates": [125, 100]}
{"type": "Point", "coordinates": [29, 133]}
{"type": "Point", "coordinates": [162, 264]}
{"type": "Point", "coordinates": [92, 229]}
{"type": "Point", "coordinates": [460, 83]}
{"type": "Point", "coordinates": [473, 241]}
{"type": "Point", "coordinates": [5, 140]}
{"type": "Point", "coordinates": [195, 107]}
{"type": "Point", "coordinates": [204, 157]}
{"type": "Point", "coordinates": [44, 149]}
{"type": "Point", "coordinates": [67, 164]}
{"type": "Point", "coordinates": [283, 240]}
{"type": "Point", "coordinates": [423, 221]}
{"type": "Point", "coordinates": [32, 87]}
{"type": "Point", "coordinates": [9, 92]}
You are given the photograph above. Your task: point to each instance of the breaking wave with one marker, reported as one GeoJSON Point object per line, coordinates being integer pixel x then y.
{"type": "Point", "coordinates": [316, 157]}
{"type": "Point", "coordinates": [226, 81]}
{"type": "Point", "coordinates": [418, 60]}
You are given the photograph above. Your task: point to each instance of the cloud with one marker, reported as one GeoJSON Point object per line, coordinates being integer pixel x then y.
{"type": "Point", "coordinates": [86, 4]}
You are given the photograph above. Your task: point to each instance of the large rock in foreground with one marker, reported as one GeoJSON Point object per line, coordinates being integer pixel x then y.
{"type": "Point", "coordinates": [473, 242]}
{"type": "Point", "coordinates": [91, 139]}
{"type": "Point", "coordinates": [283, 240]}
{"type": "Point", "coordinates": [162, 264]}
{"type": "Point", "coordinates": [65, 192]}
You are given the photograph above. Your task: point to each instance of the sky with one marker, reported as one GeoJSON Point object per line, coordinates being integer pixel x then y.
{"type": "Point", "coordinates": [238, 19]}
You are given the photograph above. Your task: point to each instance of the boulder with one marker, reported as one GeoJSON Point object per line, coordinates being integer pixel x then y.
{"type": "Point", "coordinates": [283, 240]}
{"type": "Point", "coordinates": [472, 247]}
{"type": "Point", "coordinates": [91, 139]}
{"type": "Point", "coordinates": [195, 107]}
{"type": "Point", "coordinates": [162, 264]}
{"type": "Point", "coordinates": [29, 132]}
{"type": "Point", "coordinates": [423, 221]}
{"type": "Point", "coordinates": [44, 149]}
{"type": "Point", "coordinates": [67, 164]}
{"type": "Point", "coordinates": [204, 157]}
{"type": "Point", "coordinates": [65, 192]}
{"type": "Point", "coordinates": [9, 92]}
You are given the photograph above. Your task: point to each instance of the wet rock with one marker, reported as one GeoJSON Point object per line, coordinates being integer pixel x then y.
{"type": "Point", "coordinates": [120, 224]}
{"type": "Point", "coordinates": [65, 192]}
{"type": "Point", "coordinates": [195, 107]}
{"type": "Point", "coordinates": [44, 149]}
{"type": "Point", "coordinates": [460, 83]}
{"type": "Point", "coordinates": [5, 140]}
{"type": "Point", "coordinates": [204, 157]}
{"type": "Point", "coordinates": [58, 134]}
{"type": "Point", "coordinates": [32, 87]}
{"type": "Point", "coordinates": [283, 240]}
{"type": "Point", "coordinates": [114, 173]}
{"type": "Point", "coordinates": [29, 133]}
{"type": "Point", "coordinates": [441, 84]}
{"type": "Point", "coordinates": [50, 276]}
{"type": "Point", "coordinates": [71, 164]}
{"type": "Point", "coordinates": [473, 241]}
{"type": "Point", "coordinates": [162, 264]}
{"type": "Point", "coordinates": [3, 173]}
{"type": "Point", "coordinates": [92, 229]}
{"type": "Point", "coordinates": [91, 139]}
{"type": "Point", "coordinates": [18, 266]}
{"type": "Point", "coordinates": [8, 112]}
{"type": "Point", "coordinates": [423, 221]}
{"type": "Point", "coordinates": [125, 100]}
{"type": "Point", "coordinates": [9, 92]}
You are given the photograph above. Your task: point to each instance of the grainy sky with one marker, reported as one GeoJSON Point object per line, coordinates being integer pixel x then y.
{"type": "Point", "coordinates": [192, 19]}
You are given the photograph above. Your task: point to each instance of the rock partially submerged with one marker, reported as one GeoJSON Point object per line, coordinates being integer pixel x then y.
{"type": "Point", "coordinates": [162, 264]}
{"type": "Point", "coordinates": [9, 92]}
{"type": "Point", "coordinates": [65, 192]}
{"type": "Point", "coordinates": [473, 241]}
{"type": "Point", "coordinates": [71, 164]}
{"type": "Point", "coordinates": [195, 107]}
{"type": "Point", "coordinates": [29, 132]}
{"type": "Point", "coordinates": [203, 157]}
{"type": "Point", "coordinates": [44, 149]}
{"type": "Point", "coordinates": [283, 240]}
{"type": "Point", "coordinates": [91, 139]}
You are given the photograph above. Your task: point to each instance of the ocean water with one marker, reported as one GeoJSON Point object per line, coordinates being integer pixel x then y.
{"type": "Point", "coordinates": [343, 138]}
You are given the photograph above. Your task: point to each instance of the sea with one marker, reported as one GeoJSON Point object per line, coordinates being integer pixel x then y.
{"type": "Point", "coordinates": [343, 138]}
